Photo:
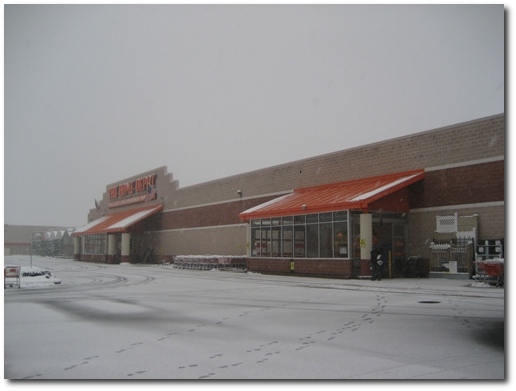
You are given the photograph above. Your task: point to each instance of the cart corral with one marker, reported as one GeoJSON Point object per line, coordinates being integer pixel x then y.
{"type": "Point", "coordinates": [210, 262]}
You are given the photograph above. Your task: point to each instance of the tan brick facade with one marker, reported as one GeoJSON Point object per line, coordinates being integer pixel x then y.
{"type": "Point", "coordinates": [491, 224]}
{"type": "Point", "coordinates": [475, 140]}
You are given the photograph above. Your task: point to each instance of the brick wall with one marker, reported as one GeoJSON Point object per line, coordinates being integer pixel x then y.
{"type": "Point", "coordinates": [209, 215]}
{"type": "Point", "coordinates": [462, 185]}
{"type": "Point", "coordinates": [221, 240]}
{"type": "Point", "coordinates": [203, 219]}
{"type": "Point", "coordinates": [481, 139]}
{"type": "Point", "coordinates": [475, 184]}
{"type": "Point", "coordinates": [453, 186]}
{"type": "Point", "coordinates": [491, 225]}
{"type": "Point", "coordinates": [94, 258]}
{"type": "Point", "coordinates": [215, 205]}
{"type": "Point", "coordinates": [338, 268]}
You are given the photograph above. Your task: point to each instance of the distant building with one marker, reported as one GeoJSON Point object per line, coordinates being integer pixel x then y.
{"type": "Point", "coordinates": [45, 240]}
{"type": "Point", "coordinates": [325, 215]}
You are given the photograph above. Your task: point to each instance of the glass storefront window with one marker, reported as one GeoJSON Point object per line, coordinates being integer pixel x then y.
{"type": "Point", "coordinates": [265, 245]}
{"type": "Point", "coordinates": [299, 241]}
{"type": "Point", "coordinates": [287, 220]}
{"type": "Point", "coordinates": [325, 235]}
{"type": "Point", "coordinates": [312, 219]}
{"type": "Point", "coordinates": [298, 236]}
{"type": "Point", "coordinates": [312, 240]}
{"type": "Point", "coordinates": [275, 242]}
{"type": "Point", "coordinates": [276, 221]}
{"type": "Point", "coordinates": [299, 219]}
{"type": "Point", "coordinates": [94, 244]}
{"type": "Point", "coordinates": [341, 248]}
{"type": "Point", "coordinates": [325, 217]}
{"type": "Point", "coordinates": [340, 216]}
{"type": "Point", "coordinates": [256, 247]}
{"type": "Point", "coordinates": [325, 240]}
{"type": "Point", "coordinates": [287, 244]}
{"type": "Point", "coordinates": [266, 222]}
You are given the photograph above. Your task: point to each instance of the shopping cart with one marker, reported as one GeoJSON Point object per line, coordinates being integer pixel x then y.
{"type": "Point", "coordinates": [492, 270]}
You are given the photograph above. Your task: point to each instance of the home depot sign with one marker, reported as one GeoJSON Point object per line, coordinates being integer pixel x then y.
{"type": "Point", "coordinates": [131, 192]}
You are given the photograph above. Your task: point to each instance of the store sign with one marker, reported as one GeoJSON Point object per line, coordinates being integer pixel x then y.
{"type": "Point", "coordinates": [131, 192]}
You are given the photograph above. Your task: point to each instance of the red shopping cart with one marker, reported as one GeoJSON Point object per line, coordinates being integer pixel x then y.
{"type": "Point", "coordinates": [492, 269]}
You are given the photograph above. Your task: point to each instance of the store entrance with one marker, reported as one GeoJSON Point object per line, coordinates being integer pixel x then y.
{"type": "Point", "coordinates": [390, 234]}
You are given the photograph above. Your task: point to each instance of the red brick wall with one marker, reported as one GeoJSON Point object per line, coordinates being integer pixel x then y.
{"type": "Point", "coordinates": [342, 268]}
{"type": "Point", "coordinates": [96, 258]}
{"type": "Point", "coordinates": [462, 185]}
{"type": "Point", "coordinates": [210, 215]}
{"type": "Point", "coordinates": [454, 186]}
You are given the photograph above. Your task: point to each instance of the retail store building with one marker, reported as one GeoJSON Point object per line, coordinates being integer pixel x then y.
{"type": "Point", "coordinates": [435, 194]}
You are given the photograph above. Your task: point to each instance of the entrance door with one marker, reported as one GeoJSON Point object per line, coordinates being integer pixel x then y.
{"type": "Point", "coordinates": [391, 236]}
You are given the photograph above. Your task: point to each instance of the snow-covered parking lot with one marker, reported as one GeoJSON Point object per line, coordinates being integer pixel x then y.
{"type": "Point", "coordinates": [156, 322]}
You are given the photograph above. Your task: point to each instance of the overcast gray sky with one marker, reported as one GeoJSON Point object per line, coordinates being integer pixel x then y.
{"type": "Point", "coordinates": [94, 94]}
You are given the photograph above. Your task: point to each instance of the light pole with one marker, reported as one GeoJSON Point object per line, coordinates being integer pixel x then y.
{"type": "Point", "coordinates": [31, 245]}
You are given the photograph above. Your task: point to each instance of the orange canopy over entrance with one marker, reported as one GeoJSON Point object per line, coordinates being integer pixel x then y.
{"type": "Point", "coordinates": [354, 194]}
{"type": "Point", "coordinates": [117, 222]}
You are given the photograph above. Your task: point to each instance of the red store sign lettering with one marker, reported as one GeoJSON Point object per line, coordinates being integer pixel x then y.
{"type": "Point", "coordinates": [118, 195]}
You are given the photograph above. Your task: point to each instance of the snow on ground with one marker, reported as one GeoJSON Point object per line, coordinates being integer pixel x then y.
{"type": "Point", "coordinates": [157, 322]}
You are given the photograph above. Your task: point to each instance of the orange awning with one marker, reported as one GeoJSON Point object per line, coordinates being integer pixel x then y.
{"type": "Point", "coordinates": [355, 194]}
{"type": "Point", "coordinates": [117, 222]}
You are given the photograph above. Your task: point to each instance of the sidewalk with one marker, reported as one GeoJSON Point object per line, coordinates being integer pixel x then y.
{"type": "Point", "coordinates": [438, 285]}
{"type": "Point", "coordinates": [442, 286]}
